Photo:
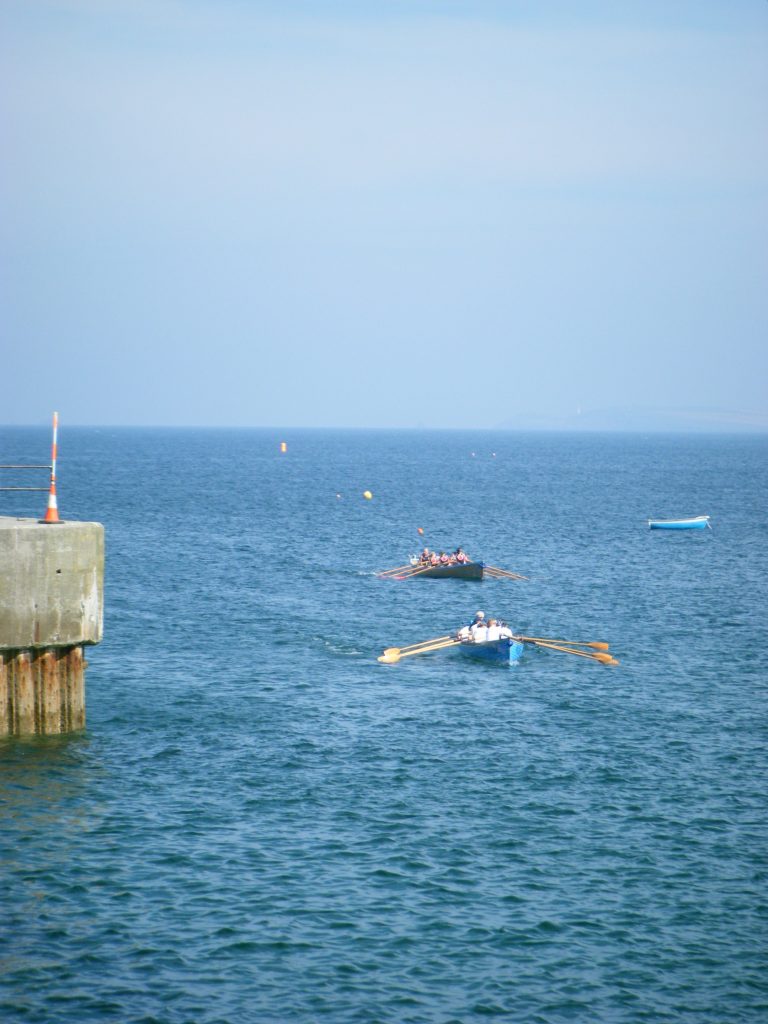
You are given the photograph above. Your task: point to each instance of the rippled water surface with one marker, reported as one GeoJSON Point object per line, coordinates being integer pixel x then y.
{"type": "Point", "coordinates": [263, 824]}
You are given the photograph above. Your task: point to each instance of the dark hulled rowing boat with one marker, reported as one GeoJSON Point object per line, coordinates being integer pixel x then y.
{"type": "Point", "coordinates": [456, 570]}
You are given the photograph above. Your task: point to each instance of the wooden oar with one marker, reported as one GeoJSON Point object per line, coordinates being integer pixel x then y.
{"type": "Point", "coordinates": [597, 644]}
{"type": "Point", "coordinates": [393, 654]}
{"type": "Point", "coordinates": [605, 659]}
{"type": "Point", "coordinates": [494, 570]}
{"type": "Point", "coordinates": [399, 568]}
{"type": "Point", "coordinates": [414, 572]}
{"type": "Point", "coordinates": [423, 643]}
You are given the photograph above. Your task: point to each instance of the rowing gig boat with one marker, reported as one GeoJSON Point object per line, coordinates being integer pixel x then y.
{"type": "Point", "coordinates": [457, 570]}
{"type": "Point", "coordinates": [696, 523]}
{"type": "Point", "coordinates": [506, 651]}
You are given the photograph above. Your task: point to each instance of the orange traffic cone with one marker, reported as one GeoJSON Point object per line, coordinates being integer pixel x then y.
{"type": "Point", "coordinates": [52, 512]}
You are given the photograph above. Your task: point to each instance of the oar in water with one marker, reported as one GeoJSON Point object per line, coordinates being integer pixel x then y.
{"type": "Point", "coordinates": [415, 571]}
{"type": "Point", "coordinates": [604, 659]}
{"type": "Point", "coordinates": [598, 645]}
{"type": "Point", "coordinates": [494, 570]}
{"type": "Point", "coordinates": [399, 568]}
{"type": "Point", "coordinates": [393, 654]}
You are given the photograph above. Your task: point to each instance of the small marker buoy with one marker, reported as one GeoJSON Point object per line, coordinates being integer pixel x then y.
{"type": "Point", "coordinates": [367, 495]}
{"type": "Point", "coordinates": [283, 446]}
{"type": "Point", "coordinates": [338, 495]}
{"type": "Point", "coordinates": [419, 529]}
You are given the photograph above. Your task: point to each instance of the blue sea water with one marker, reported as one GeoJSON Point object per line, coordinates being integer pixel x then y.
{"type": "Point", "coordinates": [263, 824]}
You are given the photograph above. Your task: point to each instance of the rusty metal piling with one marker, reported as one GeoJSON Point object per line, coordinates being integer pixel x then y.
{"type": "Point", "coordinates": [51, 607]}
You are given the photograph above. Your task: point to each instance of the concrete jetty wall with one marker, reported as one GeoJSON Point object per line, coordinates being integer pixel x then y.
{"type": "Point", "coordinates": [51, 606]}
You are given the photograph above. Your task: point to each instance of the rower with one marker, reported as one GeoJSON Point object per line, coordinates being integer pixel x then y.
{"type": "Point", "coordinates": [465, 632]}
{"type": "Point", "coordinates": [479, 632]}
{"type": "Point", "coordinates": [498, 630]}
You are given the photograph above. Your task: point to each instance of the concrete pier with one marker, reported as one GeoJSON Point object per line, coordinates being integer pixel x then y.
{"type": "Point", "coordinates": [51, 607]}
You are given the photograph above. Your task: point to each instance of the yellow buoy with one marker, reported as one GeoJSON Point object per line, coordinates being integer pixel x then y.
{"type": "Point", "coordinates": [283, 446]}
{"type": "Point", "coordinates": [367, 495]}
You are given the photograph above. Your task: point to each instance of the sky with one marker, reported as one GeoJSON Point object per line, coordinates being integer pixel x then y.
{"type": "Point", "coordinates": [391, 213]}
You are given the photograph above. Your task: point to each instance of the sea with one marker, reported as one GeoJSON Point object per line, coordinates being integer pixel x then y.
{"type": "Point", "coordinates": [262, 824]}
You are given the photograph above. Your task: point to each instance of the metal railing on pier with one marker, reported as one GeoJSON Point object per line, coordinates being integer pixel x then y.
{"type": "Point", "coordinates": [51, 514]}
{"type": "Point", "coordinates": [14, 488]}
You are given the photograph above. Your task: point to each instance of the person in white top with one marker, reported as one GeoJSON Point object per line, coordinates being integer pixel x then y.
{"type": "Point", "coordinates": [479, 632]}
{"type": "Point", "coordinates": [467, 633]}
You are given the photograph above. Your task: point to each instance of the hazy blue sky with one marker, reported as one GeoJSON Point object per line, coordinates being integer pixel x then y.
{"type": "Point", "coordinates": [384, 213]}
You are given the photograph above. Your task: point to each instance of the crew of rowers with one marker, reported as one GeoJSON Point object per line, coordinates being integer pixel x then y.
{"type": "Point", "coordinates": [481, 630]}
{"type": "Point", "coordinates": [458, 557]}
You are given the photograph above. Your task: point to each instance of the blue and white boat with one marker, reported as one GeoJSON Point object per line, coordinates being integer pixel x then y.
{"type": "Point", "coordinates": [696, 523]}
{"type": "Point", "coordinates": [506, 651]}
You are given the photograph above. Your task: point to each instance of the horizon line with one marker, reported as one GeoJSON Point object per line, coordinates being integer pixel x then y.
{"type": "Point", "coordinates": [723, 429]}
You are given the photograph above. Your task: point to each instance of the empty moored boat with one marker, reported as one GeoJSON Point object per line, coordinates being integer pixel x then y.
{"type": "Point", "coordinates": [695, 523]}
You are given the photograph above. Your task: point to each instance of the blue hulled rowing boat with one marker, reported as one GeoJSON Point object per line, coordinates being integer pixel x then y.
{"type": "Point", "coordinates": [506, 651]}
{"type": "Point", "coordinates": [696, 523]}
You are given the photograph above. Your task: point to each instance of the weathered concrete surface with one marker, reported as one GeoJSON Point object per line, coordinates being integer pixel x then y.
{"type": "Point", "coordinates": [51, 604]}
{"type": "Point", "coordinates": [51, 584]}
